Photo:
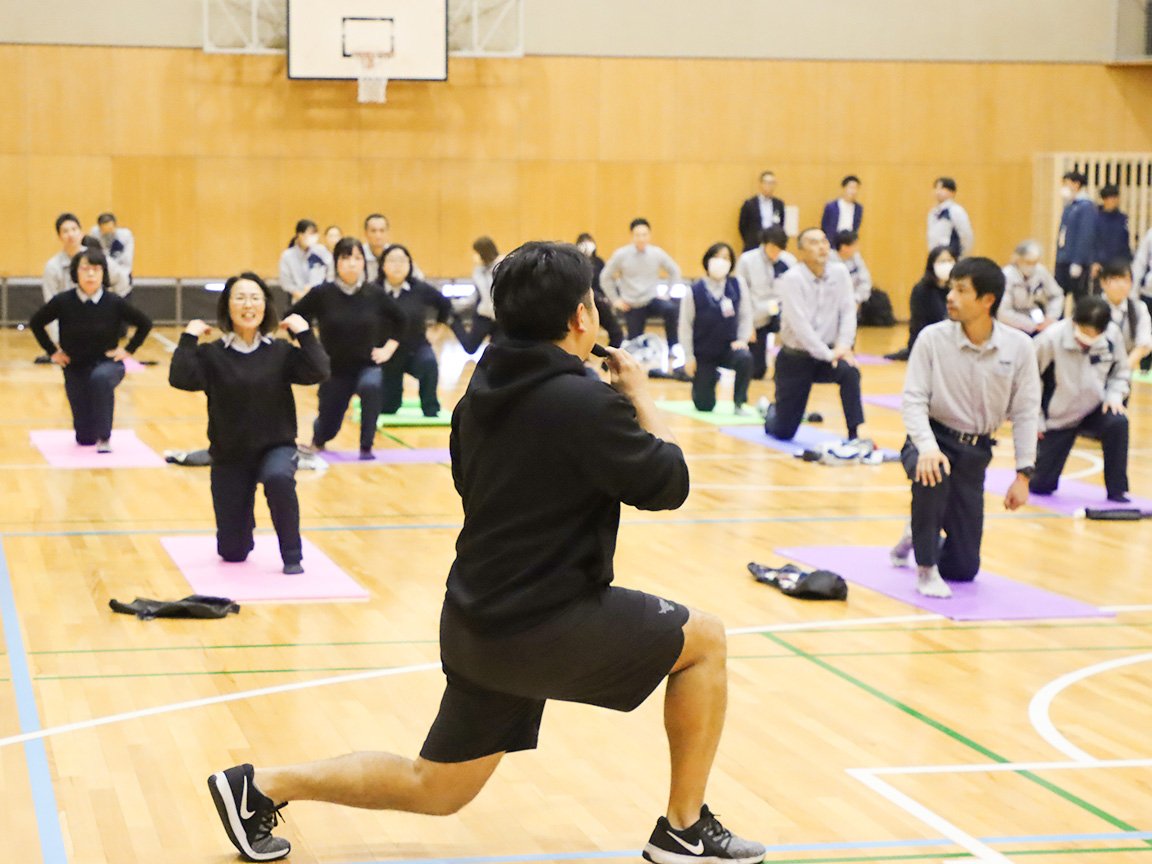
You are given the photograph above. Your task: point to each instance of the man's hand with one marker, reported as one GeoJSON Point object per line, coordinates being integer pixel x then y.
{"type": "Point", "coordinates": [739, 346]}
{"type": "Point", "coordinates": [1017, 495]}
{"type": "Point", "coordinates": [1045, 324]}
{"type": "Point", "coordinates": [843, 352]}
{"type": "Point", "coordinates": [117, 354]}
{"type": "Point", "coordinates": [621, 306]}
{"type": "Point", "coordinates": [625, 374]}
{"type": "Point", "coordinates": [1115, 408]}
{"type": "Point", "coordinates": [931, 468]}
{"type": "Point", "coordinates": [60, 358]}
{"type": "Point", "coordinates": [294, 324]}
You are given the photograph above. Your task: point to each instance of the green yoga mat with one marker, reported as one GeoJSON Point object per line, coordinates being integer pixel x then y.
{"type": "Point", "coordinates": [408, 415]}
{"type": "Point", "coordinates": [721, 415]}
{"type": "Point", "coordinates": [1142, 377]}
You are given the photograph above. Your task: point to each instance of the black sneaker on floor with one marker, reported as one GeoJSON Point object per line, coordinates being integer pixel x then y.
{"type": "Point", "coordinates": [706, 842]}
{"type": "Point", "coordinates": [248, 814]}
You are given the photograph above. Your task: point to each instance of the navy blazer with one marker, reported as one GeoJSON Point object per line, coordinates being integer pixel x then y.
{"type": "Point", "coordinates": [831, 219]}
{"type": "Point", "coordinates": [750, 224]}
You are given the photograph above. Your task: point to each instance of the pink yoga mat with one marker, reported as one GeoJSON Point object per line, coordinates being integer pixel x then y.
{"type": "Point", "coordinates": [1070, 495]}
{"type": "Point", "coordinates": [872, 360]}
{"type": "Point", "coordinates": [390, 456]}
{"type": "Point", "coordinates": [131, 364]}
{"type": "Point", "coordinates": [883, 400]}
{"type": "Point", "coordinates": [807, 437]}
{"type": "Point", "coordinates": [988, 598]}
{"type": "Point", "coordinates": [59, 447]}
{"type": "Point", "coordinates": [259, 579]}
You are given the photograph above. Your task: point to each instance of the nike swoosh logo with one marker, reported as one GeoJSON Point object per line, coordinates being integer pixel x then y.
{"type": "Point", "coordinates": [247, 814]}
{"type": "Point", "coordinates": [697, 849]}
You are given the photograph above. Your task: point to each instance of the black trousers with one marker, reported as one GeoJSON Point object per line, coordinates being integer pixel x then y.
{"type": "Point", "coordinates": [91, 392]}
{"type": "Point", "coordinates": [1052, 452]}
{"type": "Point", "coordinates": [1146, 363]}
{"type": "Point", "coordinates": [636, 319]}
{"type": "Point", "coordinates": [760, 347]}
{"type": "Point", "coordinates": [337, 392]}
{"type": "Point", "coordinates": [234, 501]}
{"type": "Point", "coordinates": [471, 338]}
{"type": "Point", "coordinates": [1077, 286]}
{"type": "Point", "coordinates": [708, 373]}
{"type": "Point", "coordinates": [608, 319]}
{"type": "Point", "coordinates": [796, 372]}
{"type": "Point", "coordinates": [420, 364]}
{"type": "Point", "coordinates": [954, 506]}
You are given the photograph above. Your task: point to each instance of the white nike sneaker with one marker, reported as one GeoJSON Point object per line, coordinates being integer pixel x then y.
{"type": "Point", "coordinates": [706, 842]}
{"type": "Point", "coordinates": [248, 814]}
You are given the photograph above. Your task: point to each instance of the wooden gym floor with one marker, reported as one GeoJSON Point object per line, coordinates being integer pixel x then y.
{"type": "Point", "coordinates": [109, 726]}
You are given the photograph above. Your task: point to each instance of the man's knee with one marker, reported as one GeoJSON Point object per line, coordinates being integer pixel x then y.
{"type": "Point", "coordinates": [704, 640]}
{"type": "Point", "coordinates": [447, 787]}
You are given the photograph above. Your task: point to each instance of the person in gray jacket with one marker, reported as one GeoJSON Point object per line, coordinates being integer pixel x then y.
{"type": "Point", "coordinates": [630, 280]}
{"type": "Point", "coordinates": [1085, 375]}
{"type": "Point", "coordinates": [1033, 301]}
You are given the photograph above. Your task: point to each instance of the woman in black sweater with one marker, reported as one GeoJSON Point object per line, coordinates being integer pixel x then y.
{"type": "Point", "coordinates": [360, 325]}
{"type": "Point", "coordinates": [928, 303]}
{"type": "Point", "coordinates": [91, 320]}
{"type": "Point", "coordinates": [414, 356]}
{"type": "Point", "coordinates": [248, 377]}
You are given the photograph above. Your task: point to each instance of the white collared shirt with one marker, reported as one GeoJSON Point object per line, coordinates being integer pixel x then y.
{"type": "Point", "coordinates": [817, 312]}
{"type": "Point", "coordinates": [397, 290]}
{"type": "Point", "coordinates": [767, 212]}
{"type": "Point", "coordinates": [847, 215]}
{"type": "Point", "coordinates": [94, 297]}
{"type": "Point", "coordinates": [233, 341]}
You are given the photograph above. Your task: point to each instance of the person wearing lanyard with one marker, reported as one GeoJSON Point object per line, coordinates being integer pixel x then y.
{"type": "Point", "coordinates": [1033, 301]}
{"type": "Point", "coordinates": [966, 376]}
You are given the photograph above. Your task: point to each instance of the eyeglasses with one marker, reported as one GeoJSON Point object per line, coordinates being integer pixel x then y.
{"type": "Point", "coordinates": [248, 299]}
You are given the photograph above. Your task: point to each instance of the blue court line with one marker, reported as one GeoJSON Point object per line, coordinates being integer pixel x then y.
{"type": "Point", "coordinates": [435, 526]}
{"type": "Point", "coordinates": [35, 752]}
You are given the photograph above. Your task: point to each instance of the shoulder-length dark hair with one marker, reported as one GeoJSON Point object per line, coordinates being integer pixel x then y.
{"type": "Point", "coordinates": [345, 246]}
{"type": "Point", "coordinates": [930, 266]}
{"type": "Point", "coordinates": [95, 257]}
{"type": "Point", "coordinates": [485, 247]}
{"type": "Point", "coordinates": [716, 247]}
{"type": "Point", "coordinates": [302, 226]}
{"type": "Point", "coordinates": [224, 311]}
{"type": "Point", "coordinates": [380, 277]}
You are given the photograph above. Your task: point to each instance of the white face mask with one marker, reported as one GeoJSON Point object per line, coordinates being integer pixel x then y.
{"type": "Point", "coordinates": [1083, 339]}
{"type": "Point", "coordinates": [718, 267]}
{"type": "Point", "coordinates": [1027, 270]}
{"type": "Point", "coordinates": [587, 247]}
{"type": "Point", "coordinates": [1066, 193]}
{"type": "Point", "coordinates": [943, 269]}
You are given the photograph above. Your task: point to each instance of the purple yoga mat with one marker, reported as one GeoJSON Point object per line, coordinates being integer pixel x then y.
{"type": "Point", "coordinates": [807, 437]}
{"type": "Point", "coordinates": [988, 598]}
{"type": "Point", "coordinates": [883, 400]}
{"type": "Point", "coordinates": [390, 456]}
{"type": "Point", "coordinates": [872, 360]}
{"type": "Point", "coordinates": [1070, 495]}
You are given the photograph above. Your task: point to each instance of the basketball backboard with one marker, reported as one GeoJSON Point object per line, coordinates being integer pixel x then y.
{"type": "Point", "coordinates": [325, 35]}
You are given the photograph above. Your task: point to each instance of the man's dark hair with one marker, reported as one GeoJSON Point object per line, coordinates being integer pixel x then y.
{"type": "Point", "coordinates": [847, 238]}
{"type": "Point", "coordinates": [66, 217]}
{"type": "Point", "coordinates": [639, 220]}
{"type": "Point", "coordinates": [584, 235]}
{"type": "Point", "coordinates": [90, 242]}
{"type": "Point", "coordinates": [775, 235]}
{"type": "Point", "coordinates": [1117, 267]}
{"type": "Point", "coordinates": [851, 178]}
{"type": "Point", "coordinates": [105, 218]}
{"type": "Point", "coordinates": [95, 257]}
{"type": "Point", "coordinates": [716, 247]}
{"type": "Point", "coordinates": [224, 312]}
{"type": "Point", "coordinates": [1077, 177]}
{"type": "Point", "coordinates": [764, 174]}
{"type": "Point", "coordinates": [947, 182]}
{"type": "Point", "coordinates": [986, 277]}
{"type": "Point", "coordinates": [372, 216]}
{"type": "Point", "coordinates": [1110, 191]}
{"type": "Point", "coordinates": [1092, 312]}
{"type": "Point", "coordinates": [345, 246]}
{"type": "Point", "coordinates": [537, 288]}
{"type": "Point", "coordinates": [485, 247]}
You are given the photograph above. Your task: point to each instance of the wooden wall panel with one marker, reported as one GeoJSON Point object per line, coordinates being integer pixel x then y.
{"type": "Point", "coordinates": [212, 158]}
{"type": "Point", "coordinates": [14, 203]}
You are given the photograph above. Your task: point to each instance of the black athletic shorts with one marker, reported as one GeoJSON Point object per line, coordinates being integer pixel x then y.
{"type": "Point", "coordinates": [611, 649]}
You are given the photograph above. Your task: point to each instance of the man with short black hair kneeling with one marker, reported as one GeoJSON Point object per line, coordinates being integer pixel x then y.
{"type": "Point", "coordinates": [543, 456]}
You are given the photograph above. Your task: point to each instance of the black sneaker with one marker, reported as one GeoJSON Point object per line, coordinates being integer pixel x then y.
{"type": "Point", "coordinates": [707, 841]}
{"type": "Point", "coordinates": [248, 814]}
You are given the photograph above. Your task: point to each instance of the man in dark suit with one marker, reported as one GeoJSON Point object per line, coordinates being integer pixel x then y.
{"type": "Point", "coordinates": [843, 214]}
{"type": "Point", "coordinates": [760, 212]}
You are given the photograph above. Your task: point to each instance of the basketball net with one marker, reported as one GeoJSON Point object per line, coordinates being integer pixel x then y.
{"type": "Point", "coordinates": [372, 77]}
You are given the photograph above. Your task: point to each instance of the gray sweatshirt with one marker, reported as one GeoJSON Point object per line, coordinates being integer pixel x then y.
{"type": "Point", "coordinates": [759, 275]}
{"type": "Point", "coordinates": [1022, 295]}
{"type": "Point", "coordinates": [1077, 382]}
{"type": "Point", "coordinates": [632, 276]}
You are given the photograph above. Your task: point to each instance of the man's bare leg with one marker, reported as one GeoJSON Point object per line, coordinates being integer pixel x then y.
{"type": "Point", "coordinates": [380, 781]}
{"type": "Point", "coordinates": [695, 703]}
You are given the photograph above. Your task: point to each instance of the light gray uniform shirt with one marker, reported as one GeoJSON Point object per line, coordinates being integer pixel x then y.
{"type": "Point", "coordinates": [858, 270]}
{"type": "Point", "coordinates": [757, 272]}
{"type": "Point", "coordinates": [972, 388]}
{"type": "Point", "coordinates": [1142, 268]}
{"type": "Point", "coordinates": [632, 276]}
{"type": "Point", "coordinates": [301, 271]}
{"type": "Point", "coordinates": [123, 256]}
{"type": "Point", "coordinates": [482, 277]}
{"type": "Point", "coordinates": [1137, 334]}
{"type": "Point", "coordinates": [1084, 379]}
{"type": "Point", "coordinates": [743, 311]}
{"type": "Point", "coordinates": [817, 313]}
{"type": "Point", "coordinates": [941, 225]}
{"type": "Point", "coordinates": [1023, 294]}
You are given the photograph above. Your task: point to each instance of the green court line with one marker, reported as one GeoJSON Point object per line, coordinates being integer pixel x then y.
{"type": "Point", "coordinates": [944, 651]}
{"type": "Point", "coordinates": [955, 735]}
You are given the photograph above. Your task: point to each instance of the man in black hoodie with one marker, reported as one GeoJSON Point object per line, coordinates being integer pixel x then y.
{"type": "Point", "coordinates": [543, 455]}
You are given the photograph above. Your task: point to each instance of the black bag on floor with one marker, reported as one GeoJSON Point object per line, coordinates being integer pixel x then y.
{"type": "Point", "coordinates": [194, 606]}
{"type": "Point", "coordinates": [802, 584]}
{"type": "Point", "coordinates": [876, 311]}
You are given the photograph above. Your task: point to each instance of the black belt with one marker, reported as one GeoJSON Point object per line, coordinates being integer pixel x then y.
{"type": "Point", "coordinates": [970, 438]}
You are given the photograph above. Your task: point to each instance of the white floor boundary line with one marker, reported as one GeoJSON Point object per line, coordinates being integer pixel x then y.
{"type": "Point", "coordinates": [832, 625]}
{"type": "Point", "coordinates": [1040, 707]}
{"type": "Point", "coordinates": [1096, 466]}
{"type": "Point", "coordinates": [979, 850]}
{"type": "Point", "coordinates": [785, 488]}
{"type": "Point", "coordinates": [168, 344]}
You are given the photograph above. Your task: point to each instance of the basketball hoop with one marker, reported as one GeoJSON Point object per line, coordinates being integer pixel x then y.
{"type": "Point", "coordinates": [372, 77]}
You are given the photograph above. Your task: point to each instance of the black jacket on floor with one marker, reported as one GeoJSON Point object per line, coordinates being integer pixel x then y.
{"type": "Point", "coordinates": [543, 456]}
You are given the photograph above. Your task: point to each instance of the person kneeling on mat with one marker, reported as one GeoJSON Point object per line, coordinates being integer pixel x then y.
{"type": "Point", "coordinates": [248, 377]}
{"type": "Point", "coordinates": [1086, 382]}
{"type": "Point", "coordinates": [966, 376]}
{"type": "Point", "coordinates": [543, 456]}
{"type": "Point", "coordinates": [715, 328]}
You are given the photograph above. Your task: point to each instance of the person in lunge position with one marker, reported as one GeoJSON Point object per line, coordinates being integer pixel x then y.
{"type": "Point", "coordinates": [966, 376]}
{"type": "Point", "coordinates": [543, 456]}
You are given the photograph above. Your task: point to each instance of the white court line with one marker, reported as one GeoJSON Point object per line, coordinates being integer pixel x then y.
{"type": "Point", "coordinates": [1095, 468]}
{"type": "Point", "coordinates": [168, 344]}
{"type": "Point", "coordinates": [1041, 705]}
{"type": "Point", "coordinates": [854, 489]}
{"type": "Point", "coordinates": [831, 625]}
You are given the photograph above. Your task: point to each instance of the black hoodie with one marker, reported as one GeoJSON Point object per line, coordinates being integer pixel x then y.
{"type": "Point", "coordinates": [543, 456]}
